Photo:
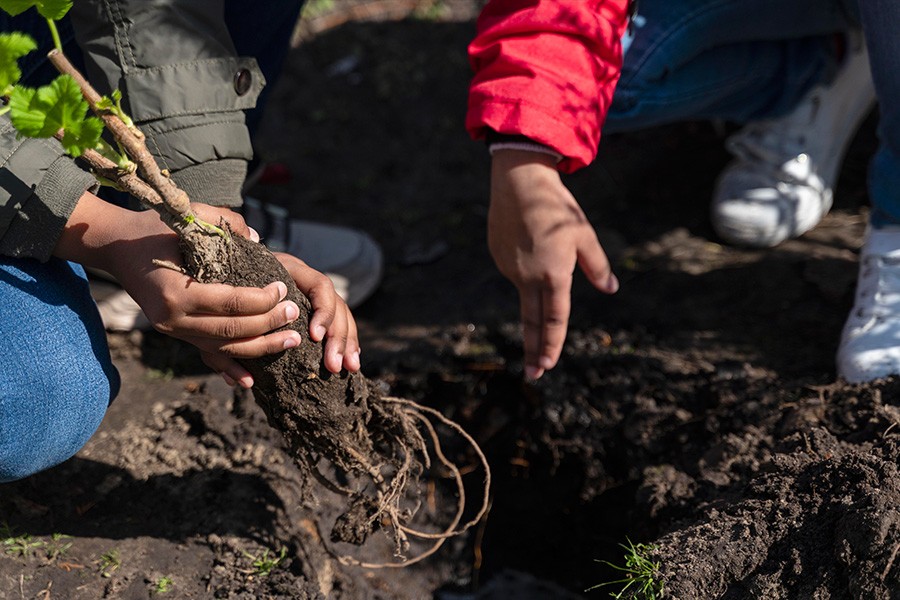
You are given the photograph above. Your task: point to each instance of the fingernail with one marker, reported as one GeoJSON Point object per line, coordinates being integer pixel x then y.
{"type": "Point", "coordinates": [282, 290]}
{"type": "Point", "coordinates": [532, 373]}
{"type": "Point", "coordinates": [254, 235]}
{"type": "Point", "coordinates": [291, 311]}
{"type": "Point", "coordinates": [355, 360]}
{"type": "Point", "coordinates": [320, 332]}
{"type": "Point", "coordinates": [228, 380]}
{"type": "Point", "coordinates": [291, 342]}
{"type": "Point", "coordinates": [246, 382]}
{"type": "Point", "coordinates": [612, 284]}
{"type": "Point", "coordinates": [545, 363]}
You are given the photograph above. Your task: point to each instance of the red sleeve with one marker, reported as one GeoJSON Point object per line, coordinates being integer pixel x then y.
{"type": "Point", "coordinates": [546, 69]}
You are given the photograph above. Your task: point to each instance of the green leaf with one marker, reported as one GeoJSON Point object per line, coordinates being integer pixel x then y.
{"type": "Point", "coordinates": [49, 9]}
{"type": "Point", "coordinates": [53, 9]}
{"type": "Point", "coordinates": [13, 46]}
{"type": "Point", "coordinates": [75, 142]}
{"type": "Point", "coordinates": [104, 103]}
{"type": "Point", "coordinates": [42, 112]}
{"type": "Point", "coordinates": [15, 7]}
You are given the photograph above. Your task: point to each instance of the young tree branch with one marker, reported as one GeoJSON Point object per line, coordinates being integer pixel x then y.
{"type": "Point", "coordinates": [174, 199]}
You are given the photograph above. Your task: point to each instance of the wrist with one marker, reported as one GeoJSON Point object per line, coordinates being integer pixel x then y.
{"type": "Point", "coordinates": [508, 161]}
{"type": "Point", "coordinates": [100, 234]}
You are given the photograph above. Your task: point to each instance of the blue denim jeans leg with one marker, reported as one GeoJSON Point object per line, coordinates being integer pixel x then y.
{"type": "Point", "coordinates": [58, 379]}
{"type": "Point", "coordinates": [880, 20]}
{"type": "Point", "coordinates": [739, 60]}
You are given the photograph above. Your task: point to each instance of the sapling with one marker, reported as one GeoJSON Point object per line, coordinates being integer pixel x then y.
{"type": "Point", "coordinates": [377, 446]}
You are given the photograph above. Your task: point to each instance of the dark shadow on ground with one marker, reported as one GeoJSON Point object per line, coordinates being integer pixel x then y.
{"type": "Point", "coordinates": [86, 498]}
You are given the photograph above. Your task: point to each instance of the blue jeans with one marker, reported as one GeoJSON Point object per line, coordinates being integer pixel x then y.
{"type": "Point", "coordinates": [744, 60]}
{"type": "Point", "coordinates": [57, 376]}
{"type": "Point", "coordinates": [880, 18]}
{"type": "Point", "coordinates": [739, 60]}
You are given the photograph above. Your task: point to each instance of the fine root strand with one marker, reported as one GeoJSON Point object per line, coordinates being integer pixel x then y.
{"type": "Point", "coordinates": [390, 493]}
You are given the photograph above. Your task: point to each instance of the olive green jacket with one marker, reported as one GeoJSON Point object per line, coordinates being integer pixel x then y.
{"type": "Point", "coordinates": [182, 83]}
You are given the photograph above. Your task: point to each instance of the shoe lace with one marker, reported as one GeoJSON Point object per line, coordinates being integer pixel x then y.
{"type": "Point", "coordinates": [879, 287]}
{"type": "Point", "coordinates": [780, 144]}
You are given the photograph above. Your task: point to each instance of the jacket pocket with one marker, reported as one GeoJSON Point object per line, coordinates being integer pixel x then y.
{"type": "Point", "coordinates": [199, 87]}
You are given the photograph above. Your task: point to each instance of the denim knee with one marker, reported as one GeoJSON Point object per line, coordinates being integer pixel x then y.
{"type": "Point", "coordinates": [47, 422]}
{"type": "Point", "coordinates": [723, 59]}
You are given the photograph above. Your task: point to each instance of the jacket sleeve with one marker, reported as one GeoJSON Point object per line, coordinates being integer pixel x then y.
{"type": "Point", "coordinates": [39, 187]}
{"type": "Point", "coordinates": [546, 69]}
{"type": "Point", "coordinates": [182, 83]}
{"type": "Point", "coordinates": [175, 64]}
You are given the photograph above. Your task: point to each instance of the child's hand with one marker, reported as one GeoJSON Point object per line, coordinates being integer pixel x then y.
{"type": "Point", "coordinates": [224, 322]}
{"type": "Point", "coordinates": [537, 234]}
{"type": "Point", "coordinates": [331, 319]}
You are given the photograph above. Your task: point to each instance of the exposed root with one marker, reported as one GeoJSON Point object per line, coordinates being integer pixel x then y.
{"type": "Point", "coordinates": [381, 445]}
{"type": "Point", "coordinates": [392, 493]}
{"type": "Point", "coordinates": [167, 264]}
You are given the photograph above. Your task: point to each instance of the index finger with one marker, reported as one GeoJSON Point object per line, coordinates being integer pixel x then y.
{"type": "Point", "coordinates": [223, 299]}
{"type": "Point", "coordinates": [530, 300]}
{"type": "Point", "coordinates": [555, 309]}
{"type": "Point", "coordinates": [545, 317]}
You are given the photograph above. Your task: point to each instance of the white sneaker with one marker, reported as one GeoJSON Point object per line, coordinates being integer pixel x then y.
{"type": "Point", "coordinates": [781, 182]}
{"type": "Point", "coordinates": [119, 312]}
{"type": "Point", "coordinates": [870, 341]}
{"type": "Point", "coordinates": [350, 258]}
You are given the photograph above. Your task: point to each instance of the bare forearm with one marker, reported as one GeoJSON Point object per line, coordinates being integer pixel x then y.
{"type": "Point", "coordinates": [98, 234]}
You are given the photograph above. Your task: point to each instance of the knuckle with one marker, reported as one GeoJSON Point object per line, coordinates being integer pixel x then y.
{"type": "Point", "coordinates": [228, 329]}
{"type": "Point", "coordinates": [320, 279]}
{"type": "Point", "coordinates": [237, 221]}
{"type": "Point", "coordinates": [530, 323]}
{"type": "Point", "coordinates": [323, 287]}
{"type": "Point", "coordinates": [555, 279]}
{"type": "Point", "coordinates": [233, 305]}
{"type": "Point", "coordinates": [170, 299]}
{"type": "Point", "coordinates": [554, 321]}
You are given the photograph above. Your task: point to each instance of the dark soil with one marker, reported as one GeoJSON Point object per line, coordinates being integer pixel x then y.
{"type": "Point", "coordinates": [697, 410]}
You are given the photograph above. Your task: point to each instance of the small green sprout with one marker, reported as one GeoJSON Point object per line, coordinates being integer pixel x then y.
{"type": "Point", "coordinates": [316, 8]}
{"type": "Point", "coordinates": [56, 547]}
{"type": "Point", "coordinates": [22, 545]}
{"type": "Point", "coordinates": [163, 585]}
{"type": "Point", "coordinates": [265, 564]}
{"type": "Point", "coordinates": [166, 374]}
{"type": "Point", "coordinates": [17, 545]}
{"type": "Point", "coordinates": [640, 574]}
{"type": "Point", "coordinates": [109, 562]}
{"type": "Point", "coordinates": [113, 104]}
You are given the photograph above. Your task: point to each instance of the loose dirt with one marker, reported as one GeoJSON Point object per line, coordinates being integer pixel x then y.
{"type": "Point", "coordinates": [697, 410]}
